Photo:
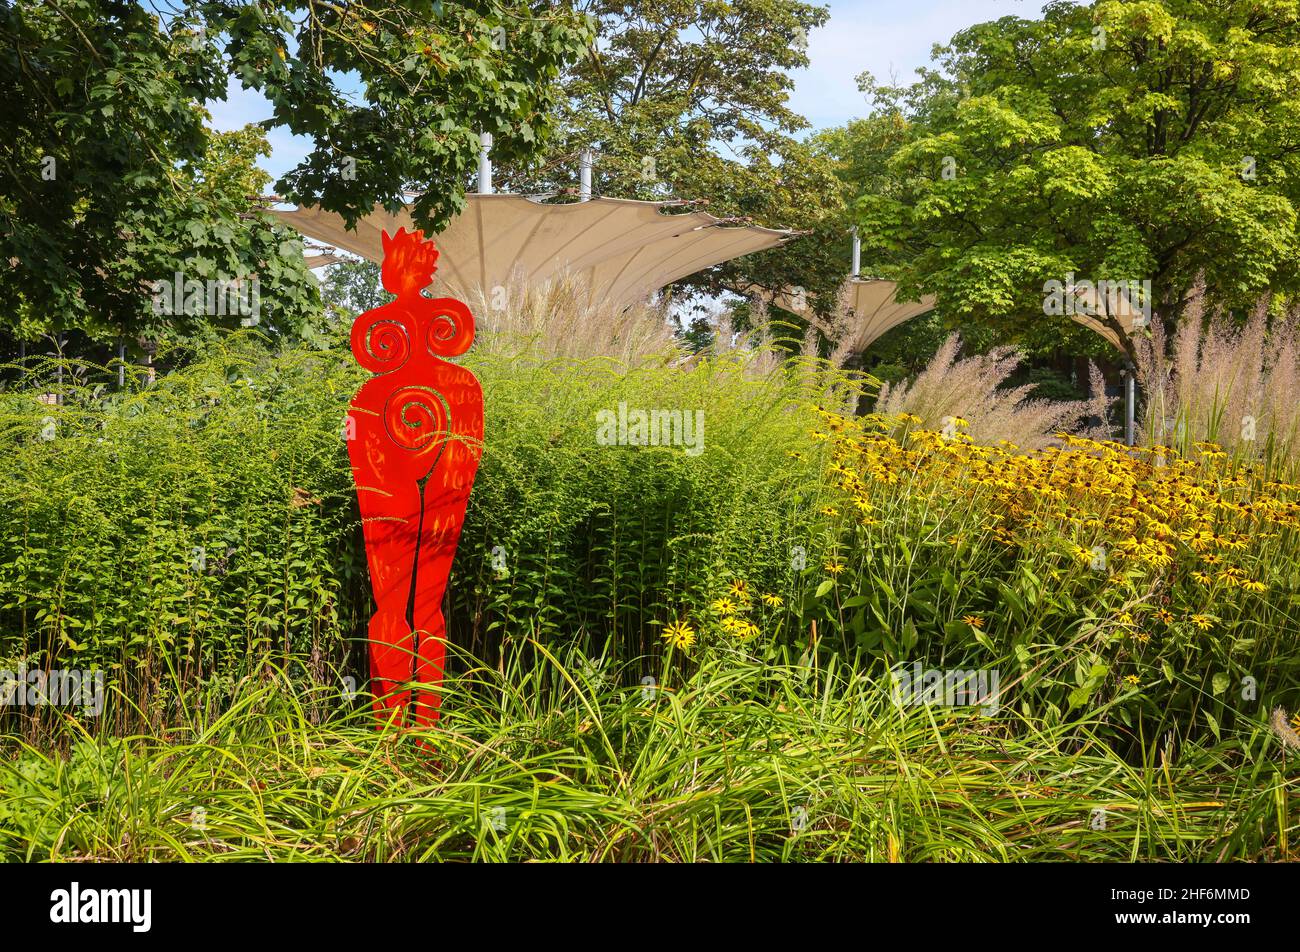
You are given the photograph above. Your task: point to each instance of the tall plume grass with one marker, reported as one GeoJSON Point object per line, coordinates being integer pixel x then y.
{"type": "Point", "coordinates": [973, 389]}
{"type": "Point", "coordinates": [1232, 384]}
{"type": "Point", "coordinates": [558, 319]}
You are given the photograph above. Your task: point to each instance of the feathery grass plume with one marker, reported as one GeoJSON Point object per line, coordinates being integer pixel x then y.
{"type": "Point", "coordinates": [1227, 383]}
{"type": "Point", "coordinates": [760, 317]}
{"type": "Point", "coordinates": [847, 343]}
{"type": "Point", "coordinates": [970, 388]}
{"type": "Point", "coordinates": [1098, 406]}
{"type": "Point", "coordinates": [1283, 729]}
{"type": "Point", "coordinates": [558, 318]}
{"type": "Point", "coordinates": [810, 346]}
{"type": "Point", "coordinates": [850, 335]}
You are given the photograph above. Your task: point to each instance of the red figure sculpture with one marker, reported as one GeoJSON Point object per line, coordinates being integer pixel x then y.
{"type": "Point", "coordinates": [416, 440]}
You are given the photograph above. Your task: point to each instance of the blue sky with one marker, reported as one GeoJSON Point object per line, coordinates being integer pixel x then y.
{"type": "Point", "coordinates": [886, 37]}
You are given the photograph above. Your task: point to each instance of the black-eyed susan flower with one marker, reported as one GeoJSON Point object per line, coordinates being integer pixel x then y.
{"type": "Point", "coordinates": [680, 635]}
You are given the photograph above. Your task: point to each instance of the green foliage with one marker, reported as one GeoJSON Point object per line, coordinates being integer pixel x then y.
{"type": "Point", "coordinates": [734, 762]}
{"type": "Point", "coordinates": [163, 527]}
{"type": "Point", "coordinates": [230, 661]}
{"type": "Point", "coordinates": [609, 543]}
{"type": "Point", "coordinates": [237, 459]}
{"type": "Point", "coordinates": [1122, 141]}
{"type": "Point", "coordinates": [689, 101]}
{"type": "Point", "coordinates": [352, 287]}
{"type": "Point", "coordinates": [110, 181]}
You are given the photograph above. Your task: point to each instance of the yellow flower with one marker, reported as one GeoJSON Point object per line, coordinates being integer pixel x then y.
{"type": "Point", "coordinates": [1133, 679]}
{"type": "Point", "coordinates": [1165, 615]}
{"type": "Point", "coordinates": [834, 567]}
{"type": "Point", "coordinates": [974, 621]}
{"type": "Point", "coordinates": [733, 625]}
{"type": "Point", "coordinates": [830, 511]}
{"type": "Point", "coordinates": [1251, 585]}
{"type": "Point", "coordinates": [1203, 622]}
{"type": "Point", "coordinates": [773, 601]}
{"type": "Point", "coordinates": [680, 635]}
{"type": "Point", "coordinates": [724, 606]}
{"type": "Point", "coordinates": [739, 589]}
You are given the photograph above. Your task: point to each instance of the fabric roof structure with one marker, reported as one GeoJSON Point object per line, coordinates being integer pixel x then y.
{"type": "Point", "coordinates": [876, 309]}
{"type": "Point", "coordinates": [875, 304]}
{"type": "Point", "coordinates": [633, 275]}
{"type": "Point", "coordinates": [1088, 308]}
{"type": "Point", "coordinates": [315, 261]}
{"type": "Point", "coordinates": [622, 249]}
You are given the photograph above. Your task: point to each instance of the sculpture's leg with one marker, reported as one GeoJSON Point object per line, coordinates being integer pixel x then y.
{"type": "Point", "coordinates": [392, 648]}
{"type": "Point", "coordinates": [391, 522]}
{"type": "Point", "coordinates": [444, 516]}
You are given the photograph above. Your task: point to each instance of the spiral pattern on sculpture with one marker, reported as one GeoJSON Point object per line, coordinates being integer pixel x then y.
{"type": "Point", "coordinates": [417, 418]}
{"type": "Point", "coordinates": [451, 328]}
{"type": "Point", "coordinates": [381, 345]}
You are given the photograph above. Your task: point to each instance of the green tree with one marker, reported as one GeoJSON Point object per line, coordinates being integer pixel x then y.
{"type": "Point", "coordinates": [102, 136]}
{"type": "Point", "coordinates": [689, 100]}
{"type": "Point", "coordinates": [1153, 140]}
{"type": "Point", "coordinates": [352, 286]}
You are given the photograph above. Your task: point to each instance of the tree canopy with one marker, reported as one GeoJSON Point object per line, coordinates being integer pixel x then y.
{"type": "Point", "coordinates": [1154, 141]}
{"type": "Point", "coordinates": [683, 99]}
{"type": "Point", "coordinates": [107, 183]}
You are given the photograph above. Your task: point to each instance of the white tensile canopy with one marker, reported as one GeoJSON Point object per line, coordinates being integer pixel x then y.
{"type": "Point", "coordinates": [875, 304]}
{"type": "Point", "coordinates": [622, 250]}
{"type": "Point", "coordinates": [314, 261]}
{"type": "Point", "coordinates": [1090, 308]}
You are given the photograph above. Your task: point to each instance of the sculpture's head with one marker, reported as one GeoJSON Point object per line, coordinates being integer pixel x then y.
{"type": "Point", "coordinates": [409, 262]}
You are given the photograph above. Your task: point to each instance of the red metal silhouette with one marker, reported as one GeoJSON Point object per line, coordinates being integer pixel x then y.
{"type": "Point", "coordinates": [416, 440]}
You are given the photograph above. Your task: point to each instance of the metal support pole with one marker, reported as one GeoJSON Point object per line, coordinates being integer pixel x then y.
{"type": "Point", "coordinates": [485, 163]}
{"type": "Point", "coordinates": [857, 254]}
{"type": "Point", "coordinates": [121, 364]}
{"type": "Point", "coordinates": [1130, 403]}
{"type": "Point", "coordinates": [584, 175]}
